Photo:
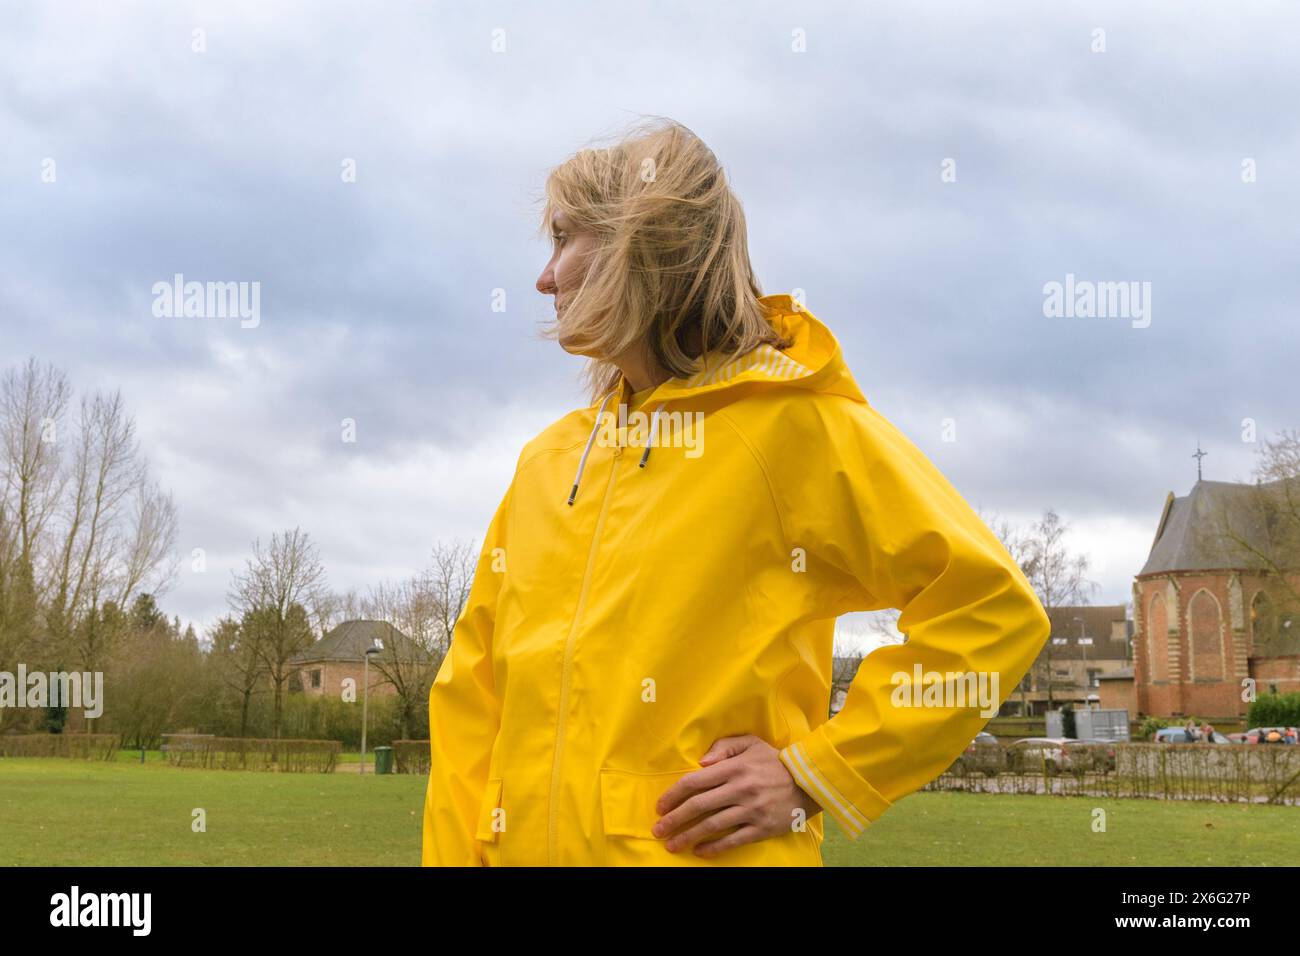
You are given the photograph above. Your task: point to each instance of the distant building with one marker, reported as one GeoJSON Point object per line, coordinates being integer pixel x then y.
{"type": "Point", "coordinates": [1206, 617]}
{"type": "Point", "coordinates": [1088, 644]}
{"type": "Point", "coordinates": [339, 655]}
{"type": "Point", "coordinates": [1115, 691]}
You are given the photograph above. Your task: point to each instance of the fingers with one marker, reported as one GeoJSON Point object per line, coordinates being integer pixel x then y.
{"type": "Point", "coordinates": [692, 783]}
{"type": "Point", "coordinates": [693, 807]}
{"type": "Point", "coordinates": [725, 747]}
{"type": "Point", "coordinates": [746, 834]}
{"type": "Point", "coordinates": [709, 828]}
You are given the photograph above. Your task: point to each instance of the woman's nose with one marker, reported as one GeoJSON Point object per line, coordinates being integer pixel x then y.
{"type": "Point", "coordinates": [546, 282]}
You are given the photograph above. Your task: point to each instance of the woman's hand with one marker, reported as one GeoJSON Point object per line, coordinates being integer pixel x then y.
{"type": "Point", "coordinates": [743, 784]}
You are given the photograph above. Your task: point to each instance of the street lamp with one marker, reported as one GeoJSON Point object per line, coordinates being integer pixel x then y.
{"type": "Point", "coordinates": [365, 696]}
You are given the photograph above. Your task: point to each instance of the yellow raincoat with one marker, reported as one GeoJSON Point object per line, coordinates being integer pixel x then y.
{"type": "Point", "coordinates": [619, 624]}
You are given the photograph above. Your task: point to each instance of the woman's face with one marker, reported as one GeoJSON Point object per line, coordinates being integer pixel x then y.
{"type": "Point", "coordinates": [564, 273]}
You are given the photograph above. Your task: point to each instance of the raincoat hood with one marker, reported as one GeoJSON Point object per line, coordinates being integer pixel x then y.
{"type": "Point", "coordinates": [812, 361]}
{"type": "Point", "coordinates": [630, 609]}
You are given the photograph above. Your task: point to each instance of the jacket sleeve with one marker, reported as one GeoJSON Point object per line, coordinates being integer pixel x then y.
{"type": "Point", "coordinates": [465, 714]}
{"type": "Point", "coordinates": [886, 529]}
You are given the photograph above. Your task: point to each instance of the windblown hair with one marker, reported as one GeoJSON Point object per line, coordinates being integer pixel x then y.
{"type": "Point", "coordinates": [671, 264]}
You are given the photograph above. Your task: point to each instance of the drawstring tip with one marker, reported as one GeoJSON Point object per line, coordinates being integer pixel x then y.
{"type": "Point", "coordinates": [582, 462]}
{"type": "Point", "coordinates": [650, 439]}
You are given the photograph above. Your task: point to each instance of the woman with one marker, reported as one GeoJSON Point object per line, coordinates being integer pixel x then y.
{"type": "Point", "coordinates": [642, 672]}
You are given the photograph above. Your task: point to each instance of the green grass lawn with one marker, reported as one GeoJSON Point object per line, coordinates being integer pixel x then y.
{"type": "Point", "coordinates": [970, 829]}
{"type": "Point", "coordinates": [56, 812]}
{"type": "Point", "coordinates": [61, 812]}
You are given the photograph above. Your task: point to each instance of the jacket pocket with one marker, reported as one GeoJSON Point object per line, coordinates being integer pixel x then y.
{"type": "Point", "coordinates": [487, 814]}
{"type": "Point", "coordinates": [627, 800]}
{"type": "Point", "coordinates": [628, 809]}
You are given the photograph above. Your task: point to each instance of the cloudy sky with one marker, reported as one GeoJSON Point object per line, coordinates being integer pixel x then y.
{"type": "Point", "coordinates": [920, 171]}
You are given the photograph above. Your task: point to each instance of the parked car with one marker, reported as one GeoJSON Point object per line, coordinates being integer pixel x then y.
{"type": "Point", "coordinates": [982, 755]}
{"type": "Point", "coordinates": [1272, 735]}
{"type": "Point", "coordinates": [1089, 754]}
{"type": "Point", "coordinates": [1037, 755]}
{"type": "Point", "coordinates": [1178, 735]}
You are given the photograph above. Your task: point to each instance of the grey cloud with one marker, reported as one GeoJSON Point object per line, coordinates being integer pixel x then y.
{"type": "Point", "coordinates": [376, 295]}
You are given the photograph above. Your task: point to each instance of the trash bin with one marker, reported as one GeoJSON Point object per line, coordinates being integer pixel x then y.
{"type": "Point", "coordinates": [383, 760]}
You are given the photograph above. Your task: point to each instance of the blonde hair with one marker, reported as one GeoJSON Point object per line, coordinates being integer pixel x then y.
{"type": "Point", "coordinates": [670, 267]}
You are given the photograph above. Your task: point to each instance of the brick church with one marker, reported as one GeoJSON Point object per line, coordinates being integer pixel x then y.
{"type": "Point", "coordinates": [1206, 616]}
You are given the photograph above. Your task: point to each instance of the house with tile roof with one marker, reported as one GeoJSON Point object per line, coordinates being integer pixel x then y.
{"type": "Point", "coordinates": [322, 668]}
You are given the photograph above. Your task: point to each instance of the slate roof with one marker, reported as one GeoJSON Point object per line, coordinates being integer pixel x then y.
{"type": "Point", "coordinates": [1190, 536]}
{"type": "Point", "coordinates": [349, 640]}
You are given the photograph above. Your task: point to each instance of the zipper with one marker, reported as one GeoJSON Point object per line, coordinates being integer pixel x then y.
{"type": "Point", "coordinates": [552, 823]}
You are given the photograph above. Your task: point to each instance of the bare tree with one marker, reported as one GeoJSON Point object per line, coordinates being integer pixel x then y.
{"type": "Point", "coordinates": [847, 653]}
{"type": "Point", "coordinates": [450, 576]}
{"type": "Point", "coordinates": [272, 596]}
{"type": "Point", "coordinates": [33, 401]}
{"type": "Point", "coordinates": [335, 607]}
{"type": "Point", "coordinates": [1017, 542]}
{"type": "Point", "coordinates": [407, 659]}
{"type": "Point", "coordinates": [1260, 532]}
{"type": "Point", "coordinates": [1266, 534]}
{"type": "Point", "coordinates": [1014, 538]}
{"type": "Point", "coordinates": [423, 609]}
{"type": "Point", "coordinates": [118, 529]}
{"type": "Point", "coordinates": [85, 528]}
{"type": "Point", "coordinates": [105, 470]}
{"type": "Point", "coordinates": [882, 626]}
{"type": "Point", "coordinates": [148, 555]}
{"type": "Point", "coordinates": [1058, 575]}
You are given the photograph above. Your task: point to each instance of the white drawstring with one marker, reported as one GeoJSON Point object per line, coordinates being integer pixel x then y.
{"type": "Point", "coordinates": [582, 462]}
{"type": "Point", "coordinates": [654, 430]}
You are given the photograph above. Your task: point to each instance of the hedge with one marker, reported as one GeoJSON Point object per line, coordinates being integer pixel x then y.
{"type": "Point", "coordinates": [1221, 773]}
{"type": "Point", "coordinates": [411, 756]}
{"type": "Point", "coordinates": [252, 753]}
{"type": "Point", "coordinates": [76, 746]}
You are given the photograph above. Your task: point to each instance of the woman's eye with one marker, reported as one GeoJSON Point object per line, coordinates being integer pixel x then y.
{"type": "Point", "coordinates": [557, 238]}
